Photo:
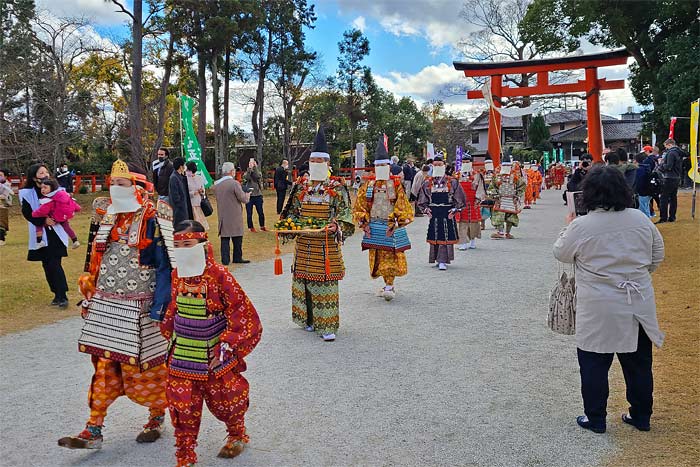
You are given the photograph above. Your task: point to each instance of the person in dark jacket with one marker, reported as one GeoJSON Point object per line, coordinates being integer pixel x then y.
{"type": "Point", "coordinates": [670, 168]}
{"type": "Point", "coordinates": [623, 164]}
{"type": "Point", "coordinates": [642, 184]}
{"type": "Point", "coordinates": [162, 169]}
{"type": "Point", "coordinates": [64, 177]}
{"type": "Point", "coordinates": [281, 182]}
{"type": "Point", "coordinates": [179, 193]}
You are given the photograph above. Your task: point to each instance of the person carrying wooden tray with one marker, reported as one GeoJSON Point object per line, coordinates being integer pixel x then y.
{"type": "Point", "coordinates": [318, 259]}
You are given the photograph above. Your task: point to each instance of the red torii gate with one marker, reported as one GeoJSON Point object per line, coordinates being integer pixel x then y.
{"type": "Point", "coordinates": [591, 85]}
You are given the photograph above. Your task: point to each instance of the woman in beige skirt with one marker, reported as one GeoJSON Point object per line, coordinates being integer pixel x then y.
{"type": "Point", "coordinates": [195, 184]}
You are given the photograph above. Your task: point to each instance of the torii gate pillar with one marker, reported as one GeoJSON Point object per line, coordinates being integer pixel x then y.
{"type": "Point", "coordinates": [595, 127]}
{"type": "Point", "coordinates": [494, 145]}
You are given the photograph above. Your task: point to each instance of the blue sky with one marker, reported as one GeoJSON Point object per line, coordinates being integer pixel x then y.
{"type": "Point", "coordinates": [412, 45]}
{"type": "Point", "coordinates": [388, 52]}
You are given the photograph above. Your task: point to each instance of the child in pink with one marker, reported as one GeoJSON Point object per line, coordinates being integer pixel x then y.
{"type": "Point", "coordinates": [58, 205]}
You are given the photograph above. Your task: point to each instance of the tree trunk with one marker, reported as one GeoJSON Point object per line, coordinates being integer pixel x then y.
{"type": "Point", "coordinates": [216, 107]}
{"type": "Point", "coordinates": [202, 104]}
{"type": "Point", "coordinates": [287, 124]}
{"type": "Point", "coordinates": [135, 124]}
{"type": "Point", "coordinates": [162, 100]}
{"type": "Point", "coordinates": [226, 130]}
{"type": "Point", "coordinates": [260, 97]}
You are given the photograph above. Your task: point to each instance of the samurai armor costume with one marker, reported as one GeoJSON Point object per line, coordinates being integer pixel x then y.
{"type": "Point", "coordinates": [119, 325]}
{"type": "Point", "coordinates": [205, 312]}
{"type": "Point", "coordinates": [318, 260]}
{"type": "Point", "coordinates": [469, 218]}
{"type": "Point", "coordinates": [381, 205]}
{"type": "Point", "coordinates": [439, 198]}
{"type": "Point", "coordinates": [127, 288]}
{"type": "Point", "coordinates": [131, 265]}
{"type": "Point", "coordinates": [508, 191]}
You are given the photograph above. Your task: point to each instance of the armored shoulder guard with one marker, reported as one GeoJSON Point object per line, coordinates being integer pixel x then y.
{"type": "Point", "coordinates": [164, 218]}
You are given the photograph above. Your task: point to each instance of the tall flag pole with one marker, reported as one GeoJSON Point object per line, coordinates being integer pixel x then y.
{"type": "Point", "coordinates": [191, 149]}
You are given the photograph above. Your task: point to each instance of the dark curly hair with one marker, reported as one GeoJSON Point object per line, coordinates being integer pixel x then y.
{"type": "Point", "coordinates": [605, 187]}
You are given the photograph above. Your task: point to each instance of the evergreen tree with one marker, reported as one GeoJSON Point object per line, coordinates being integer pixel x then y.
{"type": "Point", "coordinates": [538, 134]}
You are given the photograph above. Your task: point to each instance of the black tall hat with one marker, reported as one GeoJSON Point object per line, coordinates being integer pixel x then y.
{"type": "Point", "coordinates": [380, 154]}
{"type": "Point", "coordinates": [320, 145]}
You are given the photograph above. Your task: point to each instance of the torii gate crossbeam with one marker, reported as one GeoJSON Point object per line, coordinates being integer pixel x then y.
{"type": "Point", "coordinates": [591, 85]}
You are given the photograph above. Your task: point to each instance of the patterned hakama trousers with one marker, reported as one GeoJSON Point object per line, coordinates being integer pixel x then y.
{"type": "Point", "coordinates": [226, 397]}
{"type": "Point", "coordinates": [113, 379]}
{"type": "Point", "coordinates": [315, 303]}
{"type": "Point", "coordinates": [387, 264]}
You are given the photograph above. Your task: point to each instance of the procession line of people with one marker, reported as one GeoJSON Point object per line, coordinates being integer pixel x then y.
{"type": "Point", "coordinates": [168, 327]}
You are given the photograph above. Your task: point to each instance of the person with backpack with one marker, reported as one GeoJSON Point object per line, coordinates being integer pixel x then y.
{"type": "Point", "coordinates": [670, 169]}
{"type": "Point", "coordinates": [643, 188]}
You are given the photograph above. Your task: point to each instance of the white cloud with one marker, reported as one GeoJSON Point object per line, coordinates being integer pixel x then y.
{"type": "Point", "coordinates": [437, 20]}
{"type": "Point", "coordinates": [360, 23]}
{"type": "Point", "coordinates": [97, 11]}
{"type": "Point", "coordinates": [430, 84]}
{"type": "Point", "coordinates": [424, 85]}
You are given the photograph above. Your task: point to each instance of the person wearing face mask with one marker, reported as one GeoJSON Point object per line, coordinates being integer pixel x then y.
{"type": "Point", "coordinates": [440, 198]}
{"type": "Point", "coordinates": [64, 177]}
{"type": "Point", "coordinates": [162, 169]}
{"type": "Point", "coordinates": [126, 286]}
{"type": "Point", "coordinates": [212, 326]}
{"type": "Point", "coordinates": [318, 260]}
{"type": "Point", "coordinates": [6, 194]}
{"type": "Point", "coordinates": [507, 188]}
{"type": "Point", "coordinates": [53, 235]}
{"type": "Point", "coordinates": [382, 211]}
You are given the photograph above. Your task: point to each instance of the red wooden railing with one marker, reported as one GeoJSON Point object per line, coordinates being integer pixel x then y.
{"type": "Point", "coordinates": [95, 182]}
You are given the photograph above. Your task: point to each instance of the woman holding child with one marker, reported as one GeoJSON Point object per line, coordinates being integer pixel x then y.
{"type": "Point", "coordinates": [53, 235]}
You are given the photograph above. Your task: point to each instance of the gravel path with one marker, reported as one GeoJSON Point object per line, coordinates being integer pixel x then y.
{"type": "Point", "coordinates": [459, 369]}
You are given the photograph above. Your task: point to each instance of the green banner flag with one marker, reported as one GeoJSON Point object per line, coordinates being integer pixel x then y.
{"type": "Point", "coordinates": [190, 146]}
{"type": "Point", "coordinates": [545, 160]}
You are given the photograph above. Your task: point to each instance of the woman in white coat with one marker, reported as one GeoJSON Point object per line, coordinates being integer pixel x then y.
{"type": "Point", "coordinates": [195, 185]}
{"type": "Point", "coordinates": [614, 249]}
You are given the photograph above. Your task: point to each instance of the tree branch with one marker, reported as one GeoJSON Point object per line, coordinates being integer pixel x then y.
{"type": "Point", "coordinates": [122, 9]}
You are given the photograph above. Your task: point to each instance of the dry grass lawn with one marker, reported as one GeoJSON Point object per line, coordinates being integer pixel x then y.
{"type": "Point", "coordinates": [674, 439]}
{"type": "Point", "coordinates": [25, 297]}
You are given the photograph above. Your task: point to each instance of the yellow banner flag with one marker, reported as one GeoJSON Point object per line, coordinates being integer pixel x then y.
{"type": "Point", "coordinates": [694, 172]}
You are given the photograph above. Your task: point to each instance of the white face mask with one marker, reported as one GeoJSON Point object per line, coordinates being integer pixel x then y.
{"type": "Point", "coordinates": [190, 262]}
{"type": "Point", "coordinates": [123, 199]}
{"type": "Point", "coordinates": [438, 171]}
{"type": "Point", "coordinates": [318, 171]}
{"type": "Point", "coordinates": [382, 172]}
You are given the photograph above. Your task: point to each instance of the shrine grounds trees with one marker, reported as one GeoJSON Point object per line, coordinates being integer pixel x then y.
{"type": "Point", "coordinates": [67, 94]}
{"type": "Point", "coordinates": [538, 134]}
{"type": "Point", "coordinates": [661, 35]}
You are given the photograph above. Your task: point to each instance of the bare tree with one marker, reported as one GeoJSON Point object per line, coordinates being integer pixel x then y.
{"type": "Point", "coordinates": [135, 100]}
{"type": "Point", "coordinates": [497, 37]}
{"type": "Point", "coordinates": [63, 44]}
